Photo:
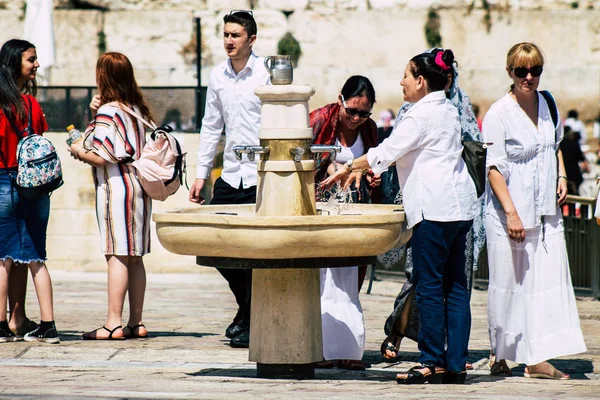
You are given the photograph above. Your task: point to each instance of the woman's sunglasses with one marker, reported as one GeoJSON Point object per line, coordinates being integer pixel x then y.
{"type": "Point", "coordinates": [353, 111]}
{"type": "Point", "coordinates": [521, 72]}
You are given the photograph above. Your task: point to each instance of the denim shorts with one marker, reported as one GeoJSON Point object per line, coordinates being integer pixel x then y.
{"type": "Point", "coordinates": [23, 223]}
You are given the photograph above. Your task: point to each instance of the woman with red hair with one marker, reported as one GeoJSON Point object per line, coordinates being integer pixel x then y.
{"type": "Point", "coordinates": [113, 141]}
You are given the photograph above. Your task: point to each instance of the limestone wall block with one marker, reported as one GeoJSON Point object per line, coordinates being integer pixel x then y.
{"type": "Point", "coordinates": [271, 24]}
{"type": "Point", "coordinates": [283, 5]}
{"type": "Point", "coordinates": [81, 250]}
{"type": "Point", "coordinates": [228, 5]}
{"type": "Point", "coordinates": [76, 46]}
{"type": "Point", "coordinates": [335, 5]}
{"type": "Point", "coordinates": [353, 48]}
{"type": "Point", "coordinates": [386, 4]}
{"type": "Point", "coordinates": [72, 222]}
{"type": "Point", "coordinates": [151, 40]}
{"type": "Point", "coordinates": [12, 5]}
{"type": "Point", "coordinates": [12, 26]}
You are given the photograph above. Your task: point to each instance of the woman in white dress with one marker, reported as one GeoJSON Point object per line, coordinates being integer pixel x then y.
{"type": "Point", "coordinates": [345, 123]}
{"type": "Point", "coordinates": [532, 315]}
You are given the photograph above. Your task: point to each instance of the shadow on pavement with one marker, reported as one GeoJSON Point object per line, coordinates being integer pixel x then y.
{"type": "Point", "coordinates": [320, 374]}
{"type": "Point", "coordinates": [69, 336]}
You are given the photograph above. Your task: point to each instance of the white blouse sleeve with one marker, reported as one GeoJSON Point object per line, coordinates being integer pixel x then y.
{"type": "Point", "coordinates": [405, 137]}
{"type": "Point", "coordinates": [494, 132]}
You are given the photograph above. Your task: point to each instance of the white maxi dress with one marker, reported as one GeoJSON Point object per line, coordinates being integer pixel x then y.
{"type": "Point", "coordinates": [532, 314]}
{"type": "Point", "coordinates": [341, 311]}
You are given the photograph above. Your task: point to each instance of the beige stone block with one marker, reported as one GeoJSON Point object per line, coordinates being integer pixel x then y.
{"type": "Point", "coordinates": [228, 5]}
{"type": "Point", "coordinates": [74, 248]}
{"type": "Point", "coordinates": [386, 4]}
{"type": "Point", "coordinates": [72, 222]}
{"type": "Point", "coordinates": [357, 51]}
{"type": "Point", "coordinates": [283, 5]}
{"type": "Point", "coordinates": [12, 24]}
{"type": "Point", "coordinates": [76, 46]}
{"type": "Point", "coordinates": [359, 5]}
{"type": "Point", "coordinates": [295, 115]}
{"type": "Point", "coordinates": [162, 34]}
{"type": "Point", "coordinates": [13, 5]}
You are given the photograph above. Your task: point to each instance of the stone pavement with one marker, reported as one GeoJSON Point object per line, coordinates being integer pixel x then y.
{"type": "Point", "coordinates": [187, 356]}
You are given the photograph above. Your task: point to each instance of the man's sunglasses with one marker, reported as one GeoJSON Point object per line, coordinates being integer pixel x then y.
{"type": "Point", "coordinates": [244, 14]}
{"type": "Point", "coordinates": [521, 72]}
{"type": "Point", "coordinates": [353, 111]}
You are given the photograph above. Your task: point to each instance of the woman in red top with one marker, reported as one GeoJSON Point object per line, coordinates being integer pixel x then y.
{"type": "Point", "coordinates": [23, 222]}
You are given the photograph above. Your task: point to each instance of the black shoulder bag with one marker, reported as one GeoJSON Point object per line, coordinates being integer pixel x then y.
{"type": "Point", "coordinates": [474, 154]}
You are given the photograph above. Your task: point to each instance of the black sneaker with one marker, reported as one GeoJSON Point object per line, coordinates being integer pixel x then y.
{"type": "Point", "coordinates": [45, 332]}
{"type": "Point", "coordinates": [25, 327]}
{"type": "Point", "coordinates": [6, 335]}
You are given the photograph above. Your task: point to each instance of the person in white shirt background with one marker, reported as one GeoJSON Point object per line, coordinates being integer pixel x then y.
{"type": "Point", "coordinates": [232, 104]}
{"type": "Point", "coordinates": [532, 315]}
{"type": "Point", "coordinates": [576, 126]}
{"type": "Point", "coordinates": [440, 201]}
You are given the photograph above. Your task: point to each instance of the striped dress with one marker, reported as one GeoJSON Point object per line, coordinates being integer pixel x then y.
{"type": "Point", "coordinates": [122, 208]}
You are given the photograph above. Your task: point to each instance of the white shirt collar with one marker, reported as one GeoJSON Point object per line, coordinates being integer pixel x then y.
{"type": "Point", "coordinates": [249, 65]}
{"type": "Point", "coordinates": [433, 96]}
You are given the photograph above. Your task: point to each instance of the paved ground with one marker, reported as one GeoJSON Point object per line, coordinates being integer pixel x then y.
{"type": "Point", "coordinates": [187, 356]}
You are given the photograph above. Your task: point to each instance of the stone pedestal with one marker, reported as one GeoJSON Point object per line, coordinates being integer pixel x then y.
{"type": "Point", "coordinates": [285, 335]}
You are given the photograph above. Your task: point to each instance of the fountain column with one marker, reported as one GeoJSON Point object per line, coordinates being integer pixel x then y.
{"type": "Point", "coordinates": [285, 332]}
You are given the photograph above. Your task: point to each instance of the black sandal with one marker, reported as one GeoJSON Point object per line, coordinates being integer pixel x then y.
{"type": "Point", "coordinates": [132, 335]}
{"type": "Point", "coordinates": [93, 335]}
{"type": "Point", "coordinates": [390, 344]}
{"type": "Point", "coordinates": [414, 376]}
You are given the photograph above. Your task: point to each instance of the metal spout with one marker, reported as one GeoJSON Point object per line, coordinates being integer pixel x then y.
{"type": "Point", "coordinates": [297, 152]}
{"type": "Point", "coordinates": [322, 148]}
{"type": "Point", "coordinates": [250, 151]}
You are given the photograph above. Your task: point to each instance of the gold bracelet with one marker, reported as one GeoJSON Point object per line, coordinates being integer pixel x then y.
{"type": "Point", "coordinates": [564, 177]}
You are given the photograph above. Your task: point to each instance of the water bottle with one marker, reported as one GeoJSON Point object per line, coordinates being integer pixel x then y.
{"type": "Point", "coordinates": [74, 135]}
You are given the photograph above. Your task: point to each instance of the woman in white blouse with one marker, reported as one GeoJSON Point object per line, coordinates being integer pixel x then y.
{"type": "Point", "coordinates": [440, 203]}
{"type": "Point", "coordinates": [532, 316]}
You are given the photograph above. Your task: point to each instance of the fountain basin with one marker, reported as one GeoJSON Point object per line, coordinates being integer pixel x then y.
{"type": "Point", "coordinates": [234, 231]}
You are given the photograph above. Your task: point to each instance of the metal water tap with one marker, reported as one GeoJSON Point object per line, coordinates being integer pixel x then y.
{"type": "Point", "coordinates": [324, 148]}
{"type": "Point", "coordinates": [297, 152]}
{"type": "Point", "coordinates": [250, 151]}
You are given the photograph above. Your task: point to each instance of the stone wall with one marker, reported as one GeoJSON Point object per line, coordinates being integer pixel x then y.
{"type": "Point", "coordinates": [339, 38]}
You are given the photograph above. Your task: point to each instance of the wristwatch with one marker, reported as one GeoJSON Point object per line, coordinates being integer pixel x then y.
{"type": "Point", "coordinates": [348, 164]}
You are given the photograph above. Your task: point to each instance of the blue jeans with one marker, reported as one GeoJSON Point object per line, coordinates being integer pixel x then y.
{"type": "Point", "coordinates": [23, 223]}
{"type": "Point", "coordinates": [442, 293]}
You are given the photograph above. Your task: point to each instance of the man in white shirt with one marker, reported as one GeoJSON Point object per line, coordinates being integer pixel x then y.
{"type": "Point", "coordinates": [232, 104]}
{"type": "Point", "coordinates": [576, 126]}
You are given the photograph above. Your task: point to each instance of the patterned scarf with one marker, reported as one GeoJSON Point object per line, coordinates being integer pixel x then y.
{"type": "Point", "coordinates": [324, 123]}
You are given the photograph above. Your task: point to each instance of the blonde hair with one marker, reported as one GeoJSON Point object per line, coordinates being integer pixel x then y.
{"type": "Point", "coordinates": [524, 54]}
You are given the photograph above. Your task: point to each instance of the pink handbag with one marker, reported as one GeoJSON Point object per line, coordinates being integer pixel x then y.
{"type": "Point", "coordinates": [161, 165]}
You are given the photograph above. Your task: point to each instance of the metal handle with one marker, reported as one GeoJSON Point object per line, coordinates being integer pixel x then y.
{"type": "Point", "coordinates": [267, 65]}
{"type": "Point", "coordinates": [250, 151]}
{"type": "Point", "coordinates": [323, 148]}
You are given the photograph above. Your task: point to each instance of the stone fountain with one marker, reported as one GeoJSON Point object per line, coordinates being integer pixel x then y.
{"type": "Point", "coordinates": [285, 237]}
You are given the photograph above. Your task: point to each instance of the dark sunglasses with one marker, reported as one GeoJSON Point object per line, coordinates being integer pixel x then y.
{"type": "Point", "coordinates": [353, 111]}
{"type": "Point", "coordinates": [521, 72]}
